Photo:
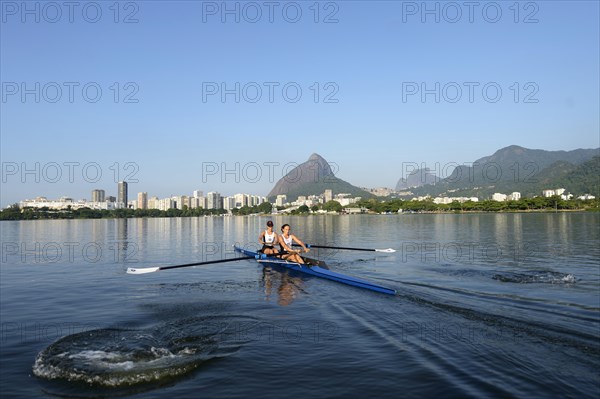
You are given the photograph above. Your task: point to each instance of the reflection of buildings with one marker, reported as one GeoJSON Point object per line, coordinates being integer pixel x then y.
{"type": "Point", "coordinates": [121, 235]}
{"type": "Point", "coordinates": [517, 230]}
{"type": "Point", "coordinates": [140, 246]}
{"type": "Point", "coordinates": [502, 237]}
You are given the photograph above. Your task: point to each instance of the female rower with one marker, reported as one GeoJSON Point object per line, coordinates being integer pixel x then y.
{"type": "Point", "coordinates": [286, 241]}
{"type": "Point", "coordinates": [268, 238]}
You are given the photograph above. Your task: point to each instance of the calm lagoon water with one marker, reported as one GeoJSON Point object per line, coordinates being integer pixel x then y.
{"type": "Point", "coordinates": [488, 305]}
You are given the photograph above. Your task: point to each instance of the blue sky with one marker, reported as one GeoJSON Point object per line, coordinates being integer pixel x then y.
{"type": "Point", "coordinates": [368, 116]}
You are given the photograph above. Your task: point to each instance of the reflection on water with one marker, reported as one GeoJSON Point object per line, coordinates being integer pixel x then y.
{"type": "Point", "coordinates": [288, 288]}
{"type": "Point", "coordinates": [121, 245]}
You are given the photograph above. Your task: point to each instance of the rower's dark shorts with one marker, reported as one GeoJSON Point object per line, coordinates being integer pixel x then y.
{"type": "Point", "coordinates": [262, 250]}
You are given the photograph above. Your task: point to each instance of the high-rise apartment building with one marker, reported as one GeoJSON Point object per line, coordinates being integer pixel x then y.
{"type": "Point", "coordinates": [98, 195]}
{"type": "Point", "coordinates": [213, 200]}
{"type": "Point", "coordinates": [122, 193]}
{"type": "Point", "coordinates": [142, 201]}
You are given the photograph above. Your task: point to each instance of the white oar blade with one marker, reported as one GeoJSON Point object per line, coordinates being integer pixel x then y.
{"type": "Point", "coordinates": [389, 250]}
{"type": "Point", "coordinates": [133, 270]}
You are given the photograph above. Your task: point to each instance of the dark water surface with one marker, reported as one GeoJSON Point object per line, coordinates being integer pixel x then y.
{"type": "Point", "coordinates": [498, 305]}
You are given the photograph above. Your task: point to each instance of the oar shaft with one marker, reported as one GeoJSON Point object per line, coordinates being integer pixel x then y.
{"type": "Point", "coordinates": [210, 262]}
{"type": "Point", "coordinates": [144, 270]}
{"type": "Point", "coordinates": [350, 248]}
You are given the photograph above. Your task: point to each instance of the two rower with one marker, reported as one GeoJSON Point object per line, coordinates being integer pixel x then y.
{"type": "Point", "coordinates": [268, 238]}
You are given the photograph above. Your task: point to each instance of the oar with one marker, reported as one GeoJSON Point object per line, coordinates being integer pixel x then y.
{"type": "Point", "coordinates": [388, 250]}
{"type": "Point", "coordinates": [133, 270]}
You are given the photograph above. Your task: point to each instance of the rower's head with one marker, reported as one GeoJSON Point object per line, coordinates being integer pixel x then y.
{"type": "Point", "coordinates": [269, 224]}
{"type": "Point", "coordinates": [285, 228]}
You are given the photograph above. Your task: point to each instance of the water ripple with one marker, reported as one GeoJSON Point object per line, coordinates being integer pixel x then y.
{"type": "Point", "coordinates": [122, 358]}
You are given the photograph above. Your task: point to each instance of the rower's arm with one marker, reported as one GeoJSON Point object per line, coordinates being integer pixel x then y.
{"type": "Point", "coordinates": [261, 239]}
{"type": "Point", "coordinates": [299, 242]}
{"type": "Point", "coordinates": [281, 243]}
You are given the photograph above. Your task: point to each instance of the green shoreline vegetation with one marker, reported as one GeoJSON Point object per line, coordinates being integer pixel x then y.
{"type": "Point", "coordinates": [372, 205]}
{"type": "Point", "coordinates": [522, 205]}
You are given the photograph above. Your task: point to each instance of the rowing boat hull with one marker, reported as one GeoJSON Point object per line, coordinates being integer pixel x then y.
{"type": "Point", "coordinates": [318, 272]}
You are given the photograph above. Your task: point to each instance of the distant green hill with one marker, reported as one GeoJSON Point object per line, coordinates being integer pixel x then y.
{"type": "Point", "coordinates": [585, 179]}
{"type": "Point", "coordinates": [523, 170]}
{"type": "Point", "coordinates": [313, 177]}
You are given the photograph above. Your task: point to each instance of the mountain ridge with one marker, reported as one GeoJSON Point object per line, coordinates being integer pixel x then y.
{"type": "Point", "coordinates": [513, 168]}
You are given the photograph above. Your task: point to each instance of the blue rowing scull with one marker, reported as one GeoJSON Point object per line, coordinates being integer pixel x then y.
{"type": "Point", "coordinates": [316, 271]}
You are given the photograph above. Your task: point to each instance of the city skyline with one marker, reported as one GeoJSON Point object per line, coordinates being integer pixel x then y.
{"type": "Point", "coordinates": [214, 200]}
{"type": "Point", "coordinates": [236, 174]}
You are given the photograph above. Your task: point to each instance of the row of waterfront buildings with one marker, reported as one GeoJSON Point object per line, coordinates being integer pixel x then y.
{"type": "Point", "coordinates": [310, 200]}
{"type": "Point", "coordinates": [515, 196]}
{"type": "Point", "coordinates": [214, 200]}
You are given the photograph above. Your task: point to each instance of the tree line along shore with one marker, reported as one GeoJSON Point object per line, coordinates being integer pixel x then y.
{"type": "Point", "coordinates": [368, 206]}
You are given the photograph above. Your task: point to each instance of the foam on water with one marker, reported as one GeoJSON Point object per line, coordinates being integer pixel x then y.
{"type": "Point", "coordinates": [116, 365]}
{"type": "Point", "coordinates": [536, 277]}
{"type": "Point", "coordinates": [116, 358]}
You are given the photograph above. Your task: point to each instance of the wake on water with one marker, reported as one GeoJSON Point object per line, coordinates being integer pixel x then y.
{"type": "Point", "coordinates": [536, 277]}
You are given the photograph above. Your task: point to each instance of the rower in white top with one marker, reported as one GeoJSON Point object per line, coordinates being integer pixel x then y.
{"type": "Point", "coordinates": [268, 238]}
{"type": "Point", "coordinates": [286, 240]}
